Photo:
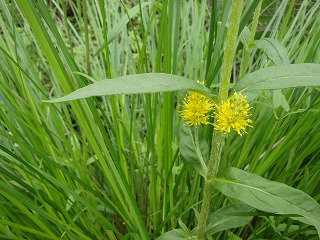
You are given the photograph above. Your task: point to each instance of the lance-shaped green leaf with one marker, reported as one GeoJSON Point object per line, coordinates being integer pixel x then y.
{"type": "Point", "coordinates": [194, 148]}
{"type": "Point", "coordinates": [268, 196]}
{"type": "Point", "coordinates": [281, 77]}
{"type": "Point", "coordinates": [232, 236]}
{"type": "Point", "coordinates": [135, 84]}
{"type": "Point", "coordinates": [230, 216]}
{"type": "Point", "coordinates": [175, 234]}
{"type": "Point", "coordinates": [275, 51]}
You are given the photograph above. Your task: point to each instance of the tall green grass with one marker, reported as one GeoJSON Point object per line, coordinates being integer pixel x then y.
{"type": "Point", "coordinates": [110, 167]}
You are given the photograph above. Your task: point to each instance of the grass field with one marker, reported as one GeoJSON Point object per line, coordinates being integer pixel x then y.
{"type": "Point", "coordinates": [118, 159]}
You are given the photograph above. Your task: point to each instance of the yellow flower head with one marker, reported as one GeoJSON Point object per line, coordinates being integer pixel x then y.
{"type": "Point", "coordinates": [233, 114]}
{"type": "Point", "coordinates": [196, 109]}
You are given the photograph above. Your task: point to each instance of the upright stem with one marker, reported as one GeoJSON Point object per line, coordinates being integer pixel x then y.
{"type": "Point", "coordinates": [231, 41]}
{"type": "Point", "coordinates": [214, 161]}
{"type": "Point", "coordinates": [251, 39]}
{"type": "Point", "coordinates": [86, 32]}
{"type": "Point", "coordinates": [218, 137]}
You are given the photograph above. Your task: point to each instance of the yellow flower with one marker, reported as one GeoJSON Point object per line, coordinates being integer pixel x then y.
{"type": "Point", "coordinates": [196, 109]}
{"type": "Point", "coordinates": [233, 114]}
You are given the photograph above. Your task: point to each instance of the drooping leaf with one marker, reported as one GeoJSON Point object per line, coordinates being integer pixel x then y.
{"type": "Point", "coordinates": [230, 216]}
{"type": "Point", "coordinates": [244, 36]}
{"type": "Point", "coordinates": [279, 55]}
{"type": "Point", "coordinates": [280, 100]}
{"type": "Point", "coordinates": [275, 51]}
{"type": "Point", "coordinates": [174, 234]}
{"type": "Point", "coordinates": [232, 236]}
{"type": "Point", "coordinates": [193, 147]}
{"type": "Point", "coordinates": [281, 77]}
{"type": "Point", "coordinates": [135, 84]}
{"type": "Point", "coordinates": [268, 196]}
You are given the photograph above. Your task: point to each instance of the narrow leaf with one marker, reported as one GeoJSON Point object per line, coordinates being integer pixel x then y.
{"type": "Point", "coordinates": [121, 24]}
{"type": "Point", "coordinates": [228, 217]}
{"type": "Point", "coordinates": [268, 196]}
{"type": "Point", "coordinates": [194, 147]}
{"type": "Point", "coordinates": [281, 77]}
{"type": "Point", "coordinates": [135, 84]}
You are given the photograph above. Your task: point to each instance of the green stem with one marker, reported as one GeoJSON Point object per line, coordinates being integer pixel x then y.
{"type": "Point", "coordinates": [230, 47]}
{"type": "Point", "coordinates": [218, 137]}
{"type": "Point", "coordinates": [197, 143]}
{"type": "Point", "coordinates": [214, 162]}
{"type": "Point", "coordinates": [86, 32]}
{"type": "Point", "coordinates": [251, 39]}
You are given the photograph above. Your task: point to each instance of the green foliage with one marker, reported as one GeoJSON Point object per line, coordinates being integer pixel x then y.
{"type": "Point", "coordinates": [194, 148]}
{"type": "Point", "coordinates": [281, 77]}
{"type": "Point", "coordinates": [175, 234]}
{"type": "Point", "coordinates": [268, 196]}
{"type": "Point", "coordinates": [109, 167]}
{"type": "Point", "coordinates": [131, 84]}
{"type": "Point", "coordinates": [275, 51]}
{"type": "Point", "coordinates": [231, 216]}
{"type": "Point", "coordinates": [121, 24]}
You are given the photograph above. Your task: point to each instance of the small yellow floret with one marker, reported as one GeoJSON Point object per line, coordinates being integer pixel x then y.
{"type": "Point", "coordinates": [197, 109]}
{"type": "Point", "coordinates": [233, 114]}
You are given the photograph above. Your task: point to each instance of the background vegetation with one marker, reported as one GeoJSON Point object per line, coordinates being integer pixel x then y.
{"type": "Point", "coordinates": [109, 167]}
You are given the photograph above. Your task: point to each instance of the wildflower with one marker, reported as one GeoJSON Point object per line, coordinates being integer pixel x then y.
{"type": "Point", "coordinates": [196, 109]}
{"type": "Point", "coordinates": [233, 114]}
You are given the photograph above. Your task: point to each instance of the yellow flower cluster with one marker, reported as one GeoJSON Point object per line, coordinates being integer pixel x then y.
{"type": "Point", "coordinates": [196, 109]}
{"type": "Point", "coordinates": [231, 114]}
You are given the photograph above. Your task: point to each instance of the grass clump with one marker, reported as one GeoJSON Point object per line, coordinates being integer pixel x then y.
{"type": "Point", "coordinates": [127, 166]}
